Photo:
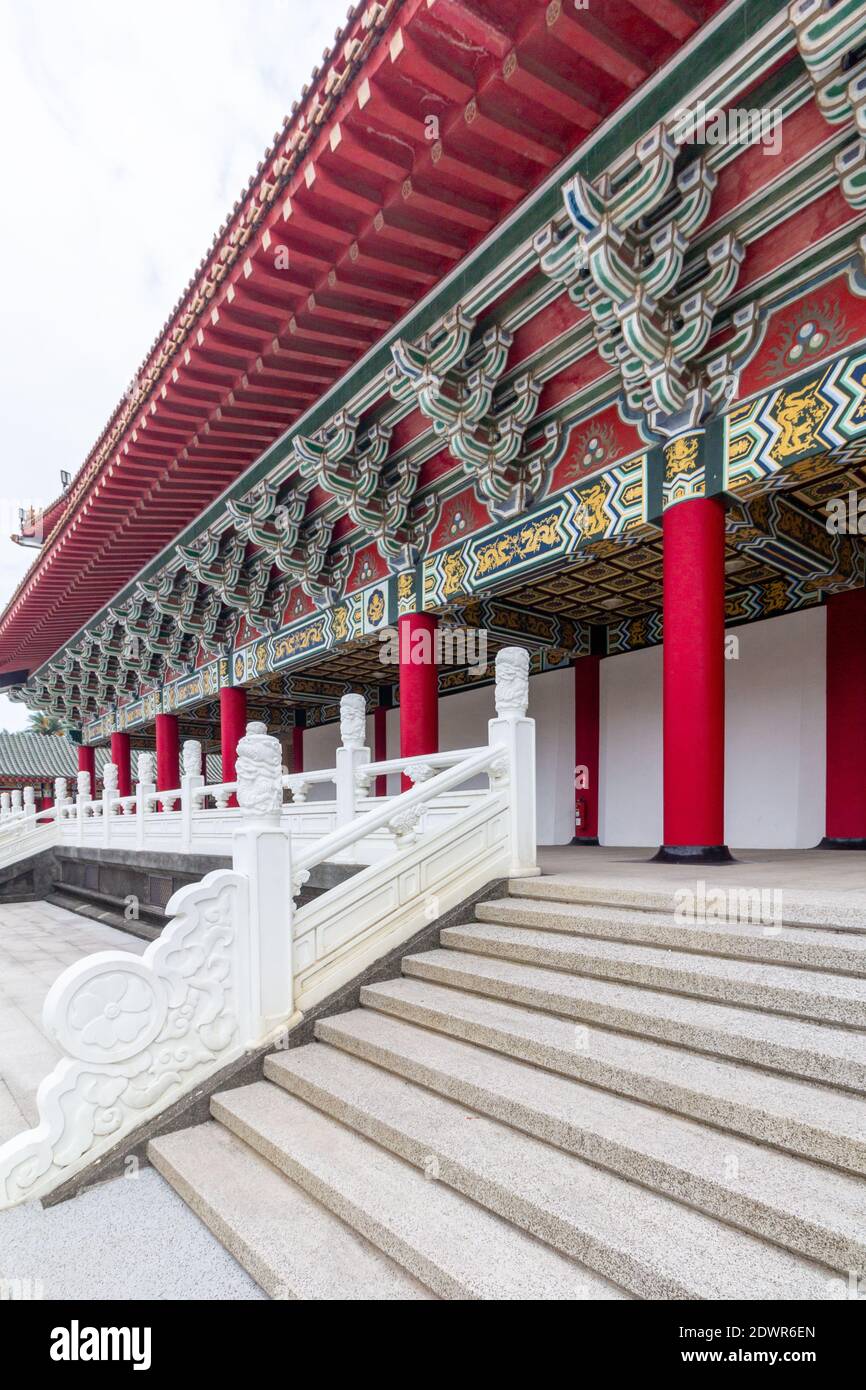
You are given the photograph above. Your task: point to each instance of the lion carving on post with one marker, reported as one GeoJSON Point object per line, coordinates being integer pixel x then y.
{"type": "Point", "coordinates": [353, 717]}
{"type": "Point", "coordinates": [259, 772]}
{"type": "Point", "coordinates": [512, 682]}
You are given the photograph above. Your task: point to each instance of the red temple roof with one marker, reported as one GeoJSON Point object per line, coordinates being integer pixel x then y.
{"type": "Point", "coordinates": [425, 124]}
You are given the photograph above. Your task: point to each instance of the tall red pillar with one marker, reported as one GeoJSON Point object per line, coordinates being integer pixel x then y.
{"type": "Point", "coordinates": [121, 756]}
{"type": "Point", "coordinates": [298, 748]}
{"type": "Point", "coordinates": [419, 686]}
{"type": "Point", "coordinates": [167, 753]}
{"type": "Point", "coordinates": [586, 745]}
{"type": "Point", "coordinates": [233, 725]}
{"type": "Point", "coordinates": [694, 682]}
{"type": "Point", "coordinates": [380, 744]}
{"type": "Point", "coordinates": [845, 825]}
{"type": "Point", "coordinates": [87, 763]}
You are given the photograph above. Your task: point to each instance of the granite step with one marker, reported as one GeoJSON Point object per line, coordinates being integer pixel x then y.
{"type": "Point", "coordinates": [800, 907]}
{"type": "Point", "coordinates": [652, 1246]}
{"type": "Point", "coordinates": [839, 951]}
{"type": "Point", "coordinates": [453, 1246]}
{"type": "Point", "coordinates": [289, 1243]}
{"type": "Point", "coordinates": [815, 1051]}
{"type": "Point", "coordinates": [812, 1121]}
{"type": "Point", "coordinates": [802, 993]}
{"type": "Point", "coordinates": [804, 1206]}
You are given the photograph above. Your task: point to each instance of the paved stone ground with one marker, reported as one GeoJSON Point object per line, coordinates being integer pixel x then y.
{"type": "Point", "coordinates": [37, 942]}
{"type": "Point", "coordinates": [133, 1238]}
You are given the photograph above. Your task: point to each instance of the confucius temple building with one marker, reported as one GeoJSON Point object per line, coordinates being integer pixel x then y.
{"type": "Point", "coordinates": [498, 481]}
{"type": "Point", "coordinates": [537, 321]}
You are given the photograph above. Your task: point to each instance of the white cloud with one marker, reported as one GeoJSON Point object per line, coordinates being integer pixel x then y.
{"type": "Point", "coordinates": [128, 133]}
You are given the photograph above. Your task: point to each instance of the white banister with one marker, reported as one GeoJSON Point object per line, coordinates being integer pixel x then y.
{"type": "Point", "coordinates": [82, 785]}
{"type": "Point", "coordinates": [109, 795]}
{"type": "Point", "coordinates": [237, 958]}
{"type": "Point", "coordinates": [134, 1034]}
{"type": "Point", "coordinates": [352, 755]}
{"type": "Point", "coordinates": [514, 732]}
{"type": "Point", "coordinates": [398, 811]}
{"type": "Point", "coordinates": [261, 855]}
{"type": "Point", "coordinates": [298, 784]}
{"type": "Point", "coordinates": [191, 781]}
{"type": "Point", "coordinates": [221, 792]}
{"type": "Point", "coordinates": [415, 768]}
{"type": "Point", "coordinates": [144, 789]}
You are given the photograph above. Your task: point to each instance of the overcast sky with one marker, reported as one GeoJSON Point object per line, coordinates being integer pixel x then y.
{"type": "Point", "coordinates": [129, 131]}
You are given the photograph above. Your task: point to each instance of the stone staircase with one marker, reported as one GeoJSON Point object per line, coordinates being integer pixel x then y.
{"type": "Point", "coordinates": [570, 1099]}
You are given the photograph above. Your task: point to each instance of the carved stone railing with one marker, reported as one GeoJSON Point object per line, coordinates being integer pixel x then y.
{"type": "Point", "coordinates": [136, 1033]}
{"type": "Point", "coordinates": [200, 818]}
{"type": "Point", "coordinates": [27, 831]}
{"type": "Point", "coordinates": [237, 958]}
{"type": "Point", "coordinates": [433, 863]}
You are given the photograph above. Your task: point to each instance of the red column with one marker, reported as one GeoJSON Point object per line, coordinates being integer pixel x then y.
{"type": "Point", "coordinates": [298, 748]}
{"type": "Point", "coordinates": [419, 686]}
{"type": "Point", "coordinates": [694, 682]}
{"type": "Point", "coordinates": [87, 763]}
{"type": "Point", "coordinates": [586, 742]}
{"type": "Point", "coordinates": [845, 826]}
{"type": "Point", "coordinates": [121, 756]}
{"type": "Point", "coordinates": [380, 744]}
{"type": "Point", "coordinates": [167, 752]}
{"type": "Point", "coordinates": [233, 726]}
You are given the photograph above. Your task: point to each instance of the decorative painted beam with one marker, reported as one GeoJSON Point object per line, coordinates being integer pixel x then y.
{"type": "Point", "coordinates": [831, 38]}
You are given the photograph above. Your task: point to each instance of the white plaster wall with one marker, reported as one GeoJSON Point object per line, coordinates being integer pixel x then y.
{"type": "Point", "coordinates": [630, 762]}
{"type": "Point", "coordinates": [551, 705]}
{"type": "Point", "coordinates": [320, 749]}
{"type": "Point", "coordinates": [774, 748]}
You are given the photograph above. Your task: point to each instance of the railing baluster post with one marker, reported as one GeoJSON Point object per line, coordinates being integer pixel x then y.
{"type": "Point", "coordinates": [109, 792]}
{"type": "Point", "coordinates": [351, 756]}
{"type": "Point", "coordinates": [143, 788]}
{"type": "Point", "coordinates": [190, 781]}
{"type": "Point", "coordinates": [513, 732]}
{"type": "Point", "coordinates": [82, 786]}
{"type": "Point", "coordinates": [261, 852]}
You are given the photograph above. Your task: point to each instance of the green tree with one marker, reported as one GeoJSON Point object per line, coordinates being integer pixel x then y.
{"type": "Point", "coordinates": [45, 724]}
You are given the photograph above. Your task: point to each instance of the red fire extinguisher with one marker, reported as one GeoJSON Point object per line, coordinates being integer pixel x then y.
{"type": "Point", "coordinates": [580, 813]}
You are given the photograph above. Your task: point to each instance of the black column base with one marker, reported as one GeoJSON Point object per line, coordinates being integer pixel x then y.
{"type": "Point", "coordinates": [693, 854]}
{"type": "Point", "coordinates": [829, 843]}
{"type": "Point", "coordinates": [585, 840]}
